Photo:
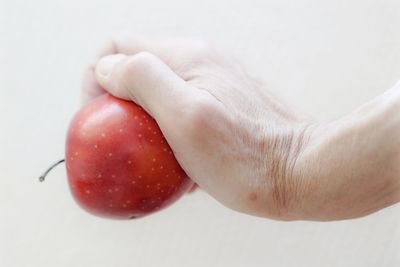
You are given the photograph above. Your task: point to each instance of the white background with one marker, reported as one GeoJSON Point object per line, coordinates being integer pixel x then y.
{"type": "Point", "coordinates": [322, 57]}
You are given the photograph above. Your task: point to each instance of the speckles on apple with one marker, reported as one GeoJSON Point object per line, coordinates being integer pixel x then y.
{"type": "Point", "coordinates": [133, 182]}
{"type": "Point", "coordinates": [110, 154]}
{"type": "Point", "coordinates": [152, 169]}
{"type": "Point", "coordinates": [147, 186]}
{"type": "Point", "coordinates": [140, 135]}
{"type": "Point", "coordinates": [164, 149]}
{"type": "Point", "coordinates": [111, 190]}
{"type": "Point", "coordinates": [153, 159]}
{"type": "Point", "coordinates": [140, 123]}
{"type": "Point", "coordinates": [103, 134]}
{"type": "Point", "coordinates": [87, 191]}
{"type": "Point", "coordinates": [76, 153]}
{"type": "Point", "coordinates": [151, 140]}
{"type": "Point", "coordinates": [161, 167]}
{"type": "Point", "coordinates": [96, 146]}
{"type": "Point", "coordinates": [99, 175]}
{"type": "Point", "coordinates": [129, 162]}
{"type": "Point", "coordinates": [121, 130]}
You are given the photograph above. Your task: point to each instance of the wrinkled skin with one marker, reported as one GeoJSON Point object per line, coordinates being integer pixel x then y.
{"type": "Point", "coordinates": [243, 146]}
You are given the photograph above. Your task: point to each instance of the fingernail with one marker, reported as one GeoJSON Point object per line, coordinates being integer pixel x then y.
{"type": "Point", "coordinates": [106, 64]}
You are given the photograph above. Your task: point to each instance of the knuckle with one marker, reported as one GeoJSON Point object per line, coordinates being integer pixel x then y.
{"type": "Point", "coordinates": [143, 58]}
{"type": "Point", "coordinates": [139, 63]}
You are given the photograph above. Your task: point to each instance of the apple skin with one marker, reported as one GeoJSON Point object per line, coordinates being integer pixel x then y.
{"type": "Point", "coordinates": [119, 164]}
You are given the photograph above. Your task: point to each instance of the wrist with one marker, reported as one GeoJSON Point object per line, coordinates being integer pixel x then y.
{"type": "Point", "coordinates": [287, 186]}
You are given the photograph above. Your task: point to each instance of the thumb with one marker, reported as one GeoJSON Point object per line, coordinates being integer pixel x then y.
{"type": "Point", "coordinates": [146, 80]}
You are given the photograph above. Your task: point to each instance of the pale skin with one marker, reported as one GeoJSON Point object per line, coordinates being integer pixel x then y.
{"type": "Point", "coordinates": [245, 148]}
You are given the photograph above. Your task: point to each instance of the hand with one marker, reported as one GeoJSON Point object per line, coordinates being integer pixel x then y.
{"type": "Point", "coordinates": [247, 149]}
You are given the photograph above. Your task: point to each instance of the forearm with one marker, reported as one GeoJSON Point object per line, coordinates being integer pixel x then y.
{"type": "Point", "coordinates": [351, 167]}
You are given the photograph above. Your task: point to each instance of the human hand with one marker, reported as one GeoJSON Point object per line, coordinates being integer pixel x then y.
{"type": "Point", "coordinates": [244, 147]}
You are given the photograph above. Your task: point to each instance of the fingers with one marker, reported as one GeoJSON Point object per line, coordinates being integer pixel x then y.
{"type": "Point", "coordinates": [121, 44]}
{"type": "Point", "coordinates": [177, 53]}
{"type": "Point", "coordinates": [146, 80]}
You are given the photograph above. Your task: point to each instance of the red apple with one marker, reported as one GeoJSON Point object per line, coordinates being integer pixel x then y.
{"type": "Point", "coordinates": [119, 164]}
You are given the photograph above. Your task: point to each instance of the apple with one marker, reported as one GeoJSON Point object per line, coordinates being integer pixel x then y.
{"type": "Point", "coordinates": [119, 164]}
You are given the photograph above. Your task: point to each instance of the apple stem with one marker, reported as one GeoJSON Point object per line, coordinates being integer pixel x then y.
{"type": "Point", "coordinates": [41, 178]}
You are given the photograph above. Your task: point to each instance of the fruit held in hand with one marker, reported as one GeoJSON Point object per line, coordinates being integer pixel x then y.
{"type": "Point", "coordinates": [119, 164]}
